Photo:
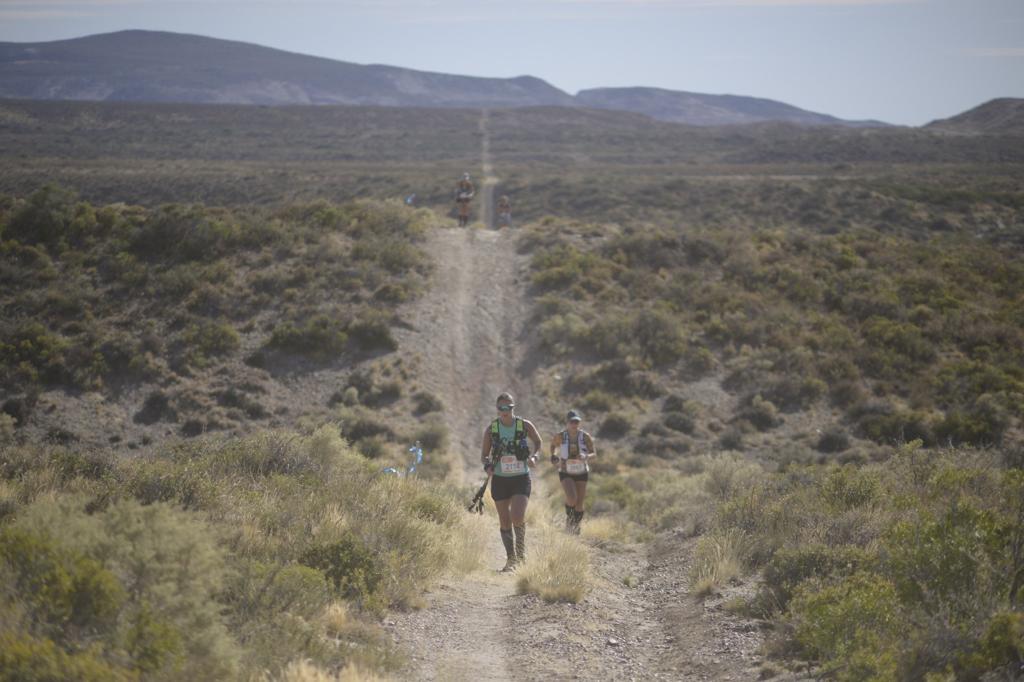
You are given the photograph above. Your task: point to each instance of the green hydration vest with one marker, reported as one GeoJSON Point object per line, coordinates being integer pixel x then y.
{"type": "Point", "coordinates": [509, 440]}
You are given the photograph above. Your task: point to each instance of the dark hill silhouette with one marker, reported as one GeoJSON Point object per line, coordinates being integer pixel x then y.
{"type": "Point", "coordinates": [156, 66]}
{"type": "Point", "coordinates": [1001, 116]}
{"type": "Point", "coordinates": [705, 110]}
{"type": "Point", "coordinates": [170, 67]}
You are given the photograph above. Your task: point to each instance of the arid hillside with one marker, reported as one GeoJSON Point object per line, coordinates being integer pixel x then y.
{"type": "Point", "coordinates": [799, 352]}
{"type": "Point", "coordinates": [999, 116]}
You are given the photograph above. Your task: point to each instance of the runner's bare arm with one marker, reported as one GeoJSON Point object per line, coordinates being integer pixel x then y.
{"type": "Point", "coordinates": [485, 451]}
{"type": "Point", "coordinates": [591, 451]}
{"type": "Point", "coordinates": [538, 442]}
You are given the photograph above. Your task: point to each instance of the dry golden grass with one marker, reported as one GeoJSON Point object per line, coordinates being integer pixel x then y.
{"type": "Point", "coordinates": [6, 428]}
{"type": "Point", "coordinates": [467, 551]}
{"type": "Point", "coordinates": [8, 492]}
{"type": "Point", "coordinates": [604, 529]}
{"type": "Point", "coordinates": [718, 559]}
{"type": "Point", "coordinates": [304, 671]}
{"type": "Point", "coordinates": [557, 568]}
{"type": "Point", "coordinates": [335, 618]}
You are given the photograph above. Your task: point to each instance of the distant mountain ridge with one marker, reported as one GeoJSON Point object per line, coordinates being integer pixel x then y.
{"type": "Point", "coordinates": [171, 67]}
{"type": "Point", "coordinates": [706, 110]}
{"type": "Point", "coordinates": [1003, 115]}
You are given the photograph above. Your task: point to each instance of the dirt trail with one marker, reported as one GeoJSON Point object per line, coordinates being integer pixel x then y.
{"type": "Point", "coordinates": [489, 179]}
{"type": "Point", "coordinates": [469, 332]}
{"type": "Point", "coordinates": [639, 622]}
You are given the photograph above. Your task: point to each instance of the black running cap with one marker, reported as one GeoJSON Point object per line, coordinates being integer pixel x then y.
{"type": "Point", "coordinates": [573, 416]}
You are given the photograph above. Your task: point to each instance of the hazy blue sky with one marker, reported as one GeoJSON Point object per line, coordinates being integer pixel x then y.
{"type": "Point", "coordinates": [902, 61]}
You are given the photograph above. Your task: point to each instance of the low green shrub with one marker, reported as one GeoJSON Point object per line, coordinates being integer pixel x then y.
{"type": "Point", "coordinates": [659, 336]}
{"type": "Point", "coordinates": [348, 565]}
{"type": "Point", "coordinates": [896, 570]}
{"type": "Point", "coordinates": [24, 657]}
{"type": "Point", "coordinates": [795, 393]}
{"type": "Point", "coordinates": [371, 447]}
{"type": "Point", "coordinates": [732, 438]}
{"type": "Point", "coordinates": [849, 487]}
{"type": "Point", "coordinates": [761, 413]}
{"type": "Point", "coordinates": [427, 402]}
{"type": "Point", "coordinates": [319, 338]}
{"type": "Point", "coordinates": [854, 627]}
{"type": "Point", "coordinates": [30, 353]}
{"type": "Point", "coordinates": [249, 406]}
{"type": "Point", "coordinates": [889, 427]}
{"type": "Point", "coordinates": [63, 589]}
{"type": "Point", "coordinates": [360, 425]}
{"type": "Point", "coordinates": [599, 400]}
{"type": "Point", "coordinates": [434, 436]}
{"type": "Point", "coordinates": [790, 567]}
{"type": "Point", "coordinates": [983, 424]}
{"type": "Point", "coordinates": [680, 421]}
{"type": "Point", "coordinates": [47, 217]}
{"type": "Point", "coordinates": [206, 340]}
{"type": "Point", "coordinates": [186, 233]}
{"type": "Point", "coordinates": [188, 563]}
{"type": "Point", "coordinates": [372, 332]}
{"type": "Point", "coordinates": [833, 439]}
{"type": "Point", "coordinates": [617, 377]}
{"type": "Point", "coordinates": [615, 426]}
{"type": "Point", "coordinates": [157, 407]}
{"type": "Point", "coordinates": [144, 577]}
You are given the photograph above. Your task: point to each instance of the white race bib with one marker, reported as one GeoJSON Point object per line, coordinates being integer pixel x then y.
{"type": "Point", "coordinates": [575, 466]}
{"type": "Point", "coordinates": [511, 465]}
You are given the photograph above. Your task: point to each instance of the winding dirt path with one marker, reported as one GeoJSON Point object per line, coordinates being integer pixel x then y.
{"type": "Point", "coordinates": [469, 332]}
{"type": "Point", "coordinates": [640, 621]}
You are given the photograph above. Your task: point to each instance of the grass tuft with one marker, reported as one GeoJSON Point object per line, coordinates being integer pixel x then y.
{"type": "Point", "coordinates": [717, 560]}
{"type": "Point", "coordinates": [557, 570]}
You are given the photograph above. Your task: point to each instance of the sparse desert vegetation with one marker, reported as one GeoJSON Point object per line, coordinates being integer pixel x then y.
{"type": "Point", "coordinates": [203, 309]}
{"type": "Point", "coordinates": [800, 350]}
{"type": "Point", "coordinates": [214, 558]}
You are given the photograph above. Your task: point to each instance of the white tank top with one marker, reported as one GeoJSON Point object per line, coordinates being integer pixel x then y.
{"type": "Point", "coordinates": [572, 451]}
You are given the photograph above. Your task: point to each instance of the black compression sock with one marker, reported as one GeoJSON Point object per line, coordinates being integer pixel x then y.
{"type": "Point", "coordinates": [520, 542]}
{"type": "Point", "coordinates": [506, 539]}
{"type": "Point", "coordinates": [577, 518]}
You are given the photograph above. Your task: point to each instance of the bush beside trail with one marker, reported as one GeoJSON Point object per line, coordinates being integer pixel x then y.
{"type": "Point", "coordinates": [905, 568]}
{"type": "Point", "coordinates": [187, 298]}
{"type": "Point", "coordinates": [907, 337]}
{"type": "Point", "coordinates": [901, 570]}
{"type": "Point", "coordinates": [216, 559]}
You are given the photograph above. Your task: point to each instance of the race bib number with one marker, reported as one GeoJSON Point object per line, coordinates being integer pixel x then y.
{"type": "Point", "coordinates": [575, 466]}
{"type": "Point", "coordinates": [511, 465]}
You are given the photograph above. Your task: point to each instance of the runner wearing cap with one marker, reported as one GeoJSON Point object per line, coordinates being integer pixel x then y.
{"type": "Point", "coordinates": [506, 455]}
{"type": "Point", "coordinates": [571, 452]}
{"type": "Point", "coordinates": [464, 193]}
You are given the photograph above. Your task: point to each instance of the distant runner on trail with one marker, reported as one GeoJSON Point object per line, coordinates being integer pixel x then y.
{"type": "Point", "coordinates": [571, 452]}
{"type": "Point", "coordinates": [504, 211]}
{"type": "Point", "coordinates": [506, 455]}
{"type": "Point", "coordinates": [464, 193]}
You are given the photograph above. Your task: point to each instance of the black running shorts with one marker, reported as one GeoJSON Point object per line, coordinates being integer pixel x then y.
{"type": "Point", "coordinates": [504, 487]}
{"type": "Point", "coordinates": [576, 477]}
